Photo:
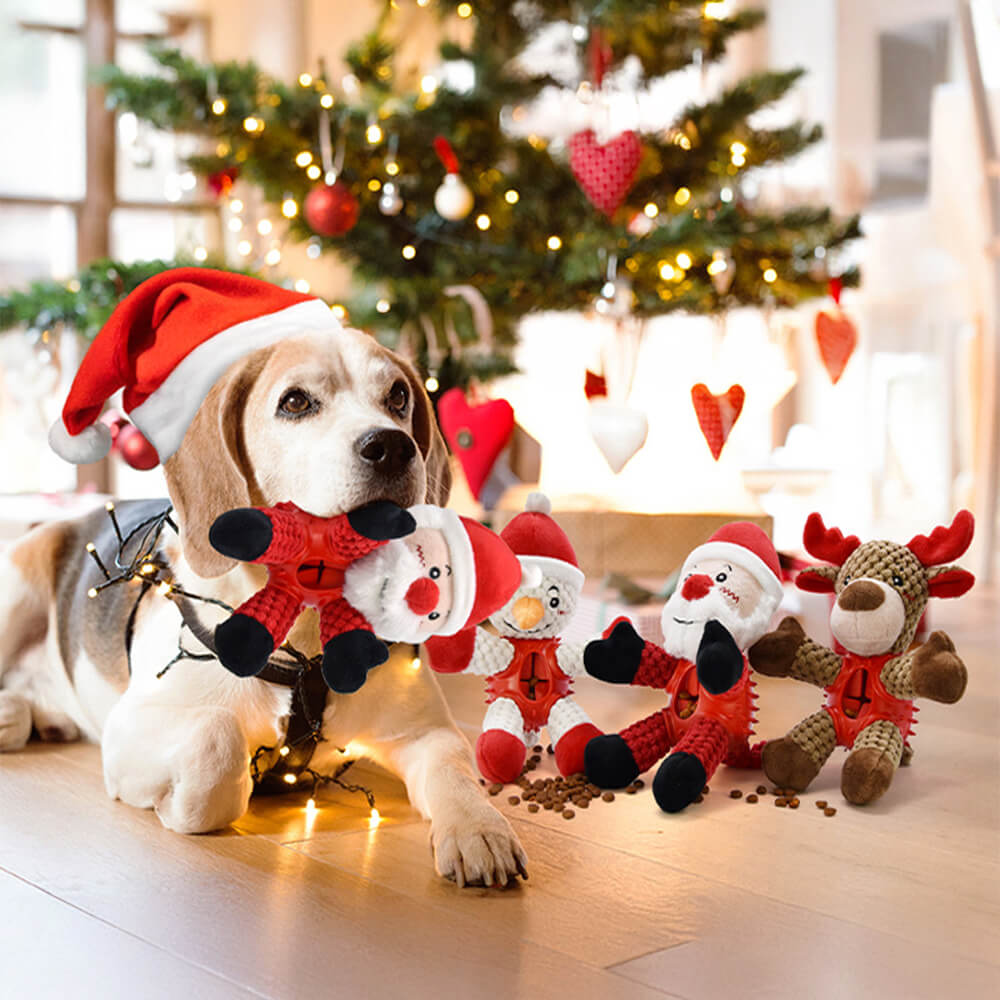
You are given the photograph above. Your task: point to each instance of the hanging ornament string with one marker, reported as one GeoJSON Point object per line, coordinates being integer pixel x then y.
{"type": "Point", "coordinates": [139, 556]}
{"type": "Point", "coordinates": [332, 163]}
{"type": "Point", "coordinates": [482, 317]}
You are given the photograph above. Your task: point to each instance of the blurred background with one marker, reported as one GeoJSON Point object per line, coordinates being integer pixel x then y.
{"type": "Point", "coordinates": [632, 200]}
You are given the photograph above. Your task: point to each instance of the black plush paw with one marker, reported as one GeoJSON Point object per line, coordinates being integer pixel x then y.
{"type": "Point", "coordinates": [615, 659]}
{"type": "Point", "coordinates": [678, 782]}
{"type": "Point", "coordinates": [243, 533]}
{"type": "Point", "coordinates": [381, 521]}
{"type": "Point", "coordinates": [243, 645]}
{"type": "Point", "coordinates": [609, 762]}
{"type": "Point", "coordinates": [348, 657]}
{"type": "Point", "coordinates": [719, 660]}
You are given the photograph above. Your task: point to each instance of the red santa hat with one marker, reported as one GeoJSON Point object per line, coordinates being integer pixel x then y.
{"type": "Point", "coordinates": [167, 344]}
{"type": "Point", "coordinates": [484, 572]}
{"type": "Point", "coordinates": [540, 544]}
{"type": "Point", "coordinates": [743, 544]}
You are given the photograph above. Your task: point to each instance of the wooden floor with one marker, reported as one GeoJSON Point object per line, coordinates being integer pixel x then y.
{"type": "Point", "coordinates": [726, 900]}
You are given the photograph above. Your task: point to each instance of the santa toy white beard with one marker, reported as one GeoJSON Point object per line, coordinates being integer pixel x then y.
{"type": "Point", "coordinates": [683, 640]}
{"type": "Point", "coordinates": [376, 586]}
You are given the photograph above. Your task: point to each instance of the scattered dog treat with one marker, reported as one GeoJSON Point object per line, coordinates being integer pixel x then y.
{"type": "Point", "coordinates": [781, 801]}
{"type": "Point", "coordinates": [549, 749]}
{"type": "Point", "coordinates": [533, 807]}
{"type": "Point", "coordinates": [514, 800]}
{"type": "Point", "coordinates": [761, 790]}
{"type": "Point", "coordinates": [495, 789]}
{"type": "Point", "coordinates": [705, 790]}
{"type": "Point", "coordinates": [829, 811]}
{"type": "Point", "coordinates": [537, 748]}
{"type": "Point", "coordinates": [608, 796]}
{"type": "Point", "coordinates": [751, 798]}
{"type": "Point", "coordinates": [736, 794]}
{"type": "Point", "coordinates": [793, 803]}
{"type": "Point", "coordinates": [821, 803]}
{"type": "Point", "coordinates": [568, 813]}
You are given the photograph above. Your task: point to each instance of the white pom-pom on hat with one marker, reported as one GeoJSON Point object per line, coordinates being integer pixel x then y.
{"type": "Point", "coordinates": [538, 502]}
{"type": "Point", "coordinates": [90, 445]}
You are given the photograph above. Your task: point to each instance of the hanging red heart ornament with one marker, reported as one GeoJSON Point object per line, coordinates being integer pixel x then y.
{"type": "Point", "coordinates": [475, 434]}
{"type": "Point", "coordinates": [717, 414]}
{"type": "Point", "coordinates": [836, 338]}
{"type": "Point", "coordinates": [606, 173]}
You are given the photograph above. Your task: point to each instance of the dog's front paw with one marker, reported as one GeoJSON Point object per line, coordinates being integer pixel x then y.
{"type": "Point", "coordinates": [15, 721]}
{"type": "Point", "coordinates": [481, 850]}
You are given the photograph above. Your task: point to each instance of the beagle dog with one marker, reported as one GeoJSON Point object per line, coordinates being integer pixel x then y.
{"type": "Point", "coordinates": [327, 421]}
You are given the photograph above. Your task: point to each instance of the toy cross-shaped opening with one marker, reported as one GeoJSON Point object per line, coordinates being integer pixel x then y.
{"type": "Point", "coordinates": [530, 678]}
{"type": "Point", "coordinates": [855, 696]}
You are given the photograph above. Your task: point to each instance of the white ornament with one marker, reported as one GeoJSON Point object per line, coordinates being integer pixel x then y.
{"type": "Point", "coordinates": [390, 201]}
{"type": "Point", "coordinates": [453, 200]}
{"type": "Point", "coordinates": [618, 431]}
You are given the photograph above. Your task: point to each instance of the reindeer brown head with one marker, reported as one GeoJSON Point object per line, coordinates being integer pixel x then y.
{"type": "Point", "coordinates": [882, 587]}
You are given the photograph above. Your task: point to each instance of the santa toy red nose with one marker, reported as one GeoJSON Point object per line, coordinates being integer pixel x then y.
{"type": "Point", "coordinates": [696, 586]}
{"type": "Point", "coordinates": [422, 596]}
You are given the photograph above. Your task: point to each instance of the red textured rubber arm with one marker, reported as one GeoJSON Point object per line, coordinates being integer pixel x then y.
{"type": "Point", "coordinates": [346, 542]}
{"type": "Point", "coordinates": [274, 608]}
{"type": "Point", "coordinates": [289, 538]}
{"type": "Point", "coordinates": [648, 739]}
{"type": "Point", "coordinates": [451, 654]}
{"type": "Point", "coordinates": [656, 667]}
{"type": "Point", "coordinates": [337, 617]}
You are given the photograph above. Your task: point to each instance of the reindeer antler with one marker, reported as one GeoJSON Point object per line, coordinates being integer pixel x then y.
{"type": "Point", "coordinates": [944, 544]}
{"type": "Point", "coordinates": [826, 543]}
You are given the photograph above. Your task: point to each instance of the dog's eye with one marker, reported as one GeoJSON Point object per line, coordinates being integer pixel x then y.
{"type": "Point", "coordinates": [296, 403]}
{"type": "Point", "coordinates": [398, 398]}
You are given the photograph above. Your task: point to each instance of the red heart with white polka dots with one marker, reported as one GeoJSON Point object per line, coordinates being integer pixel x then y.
{"type": "Point", "coordinates": [606, 173]}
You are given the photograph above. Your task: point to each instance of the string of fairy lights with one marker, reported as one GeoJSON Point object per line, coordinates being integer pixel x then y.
{"type": "Point", "coordinates": [139, 559]}
{"type": "Point", "coordinates": [261, 242]}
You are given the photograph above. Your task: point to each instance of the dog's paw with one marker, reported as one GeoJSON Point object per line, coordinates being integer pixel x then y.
{"type": "Point", "coordinates": [482, 851]}
{"type": "Point", "coordinates": [15, 721]}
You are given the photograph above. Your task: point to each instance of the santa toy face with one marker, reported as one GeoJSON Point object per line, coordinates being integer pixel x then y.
{"type": "Point", "coordinates": [721, 581]}
{"type": "Point", "coordinates": [538, 612]}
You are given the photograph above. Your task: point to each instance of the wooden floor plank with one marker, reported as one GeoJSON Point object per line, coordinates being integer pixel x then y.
{"type": "Point", "coordinates": [50, 949]}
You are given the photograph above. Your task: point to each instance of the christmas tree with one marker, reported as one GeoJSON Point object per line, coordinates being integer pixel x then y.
{"type": "Point", "coordinates": [458, 220]}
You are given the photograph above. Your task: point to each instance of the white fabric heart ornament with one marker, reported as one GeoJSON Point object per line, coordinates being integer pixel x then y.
{"type": "Point", "coordinates": [619, 431]}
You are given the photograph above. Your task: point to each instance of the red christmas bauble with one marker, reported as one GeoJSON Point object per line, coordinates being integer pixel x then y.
{"type": "Point", "coordinates": [221, 182]}
{"type": "Point", "coordinates": [331, 209]}
{"type": "Point", "coordinates": [135, 449]}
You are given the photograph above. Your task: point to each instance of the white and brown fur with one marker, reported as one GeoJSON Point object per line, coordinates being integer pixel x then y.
{"type": "Point", "coordinates": [181, 744]}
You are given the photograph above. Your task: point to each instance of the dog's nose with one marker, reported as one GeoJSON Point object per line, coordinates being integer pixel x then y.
{"type": "Point", "coordinates": [695, 587]}
{"type": "Point", "coordinates": [862, 595]}
{"type": "Point", "coordinates": [387, 451]}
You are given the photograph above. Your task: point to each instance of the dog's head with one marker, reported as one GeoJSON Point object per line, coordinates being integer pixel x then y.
{"type": "Point", "coordinates": [327, 421]}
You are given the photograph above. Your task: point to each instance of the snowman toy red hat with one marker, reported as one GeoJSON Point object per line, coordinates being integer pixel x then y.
{"type": "Point", "coordinates": [541, 545]}
{"type": "Point", "coordinates": [166, 344]}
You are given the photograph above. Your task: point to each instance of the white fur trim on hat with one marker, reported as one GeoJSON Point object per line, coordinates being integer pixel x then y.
{"type": "Point", "coordinates": [463, 563]}
{"type": "Point", "coordinates": [557, 568]}
{"type": "Point", "coordinates": [90, 445]}
{"type": "Point", "coordinates": [165, 414]}
{"type": "Point", "coordinates": [739, 555]}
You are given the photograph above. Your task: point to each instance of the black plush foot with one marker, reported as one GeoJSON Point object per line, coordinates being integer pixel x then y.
{"type": "Point", "coordinates": [615, 659]}
{"type": "Point", "coordinates": [348, 657]}
{"type": "Point", "coordinates": [382, 520]}
{"type": "Point", "coordinates": [609, 762]}
{"type": "Point", "coordinates": [244, 533]}
{"type": "Point", "coordinates": [719, 660]}
{"type": "Point", "coordinates": [243, 645]}
{"type": "Point", "coordinates": [678, 782]}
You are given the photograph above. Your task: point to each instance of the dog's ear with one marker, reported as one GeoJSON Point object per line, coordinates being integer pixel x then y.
{"type": "Point", "coordinates": [210, 473]}
{"type": "Point", "coordinates": [429, 440]}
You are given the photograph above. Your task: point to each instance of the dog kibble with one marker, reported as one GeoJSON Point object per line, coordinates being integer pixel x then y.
{"type": "Point", "coordinates": [547, 804]}
{"type": "Point", "coordinates": [821, 803]}
{"type": "Point", "coordinates": [751, 798]}
{"type": "Point", "coordinates": [549, 749]}
{"type": "Point", "coordinates": [537, 748]}
{"type": "Point", "coordinates": [482, 781]}
{"type": "Point", "coordinates": [631, 790]}
{"type": "Point", "coordinates": [608, 796]}
{"type": "Point", "coordinates": [495, 789]}
{"type": "Point", "coordinates": [829, 811]}
{"type": "Point", "coordinates": [533, 807]}
{"type": "Point", "coordinates": [761, 790]}
{"type": "Point", "coordinates": [793, 803]}
{"type": "Point", "coordinates": [514, 800]}
{"type": "Point", "coordinates": [568, 814]}
{"type": "Point", "coordinates": [736, 794]}
{"type": "Point", "coordinates": [639, 783]}
{"type": "Point", "coordinates": [781, 801]}
{"type": "Point", "coordinates": [705, 790]}
{"type": "Point", "coordinates": [701, 798]}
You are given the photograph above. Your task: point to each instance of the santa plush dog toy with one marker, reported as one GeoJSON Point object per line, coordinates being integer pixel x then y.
{"type": "Point", "coordinates": [403, 574]}
{"type": "Point", "coordinates": [729, 590]}
{"type": "Point", "coordinates": [529, 668]}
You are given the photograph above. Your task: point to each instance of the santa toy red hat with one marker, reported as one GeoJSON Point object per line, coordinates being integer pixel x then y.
{"type": "Point", "coordinates": [167, 344]}
{"type": "Point", "coordinates": [540, 544]}
{"type": "Point", "coordinates": [743, 544]}
{"type": "Point", "coordinates": [484, 572]}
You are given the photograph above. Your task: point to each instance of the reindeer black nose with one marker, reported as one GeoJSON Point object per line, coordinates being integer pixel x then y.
{"type": "Point", "coordinates": [387, 451]}
{"type": "Point", "coordinates": [862, 595]}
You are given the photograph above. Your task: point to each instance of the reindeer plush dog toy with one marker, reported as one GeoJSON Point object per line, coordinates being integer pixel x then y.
{"type": "Point", "coordinates": [882, 589]}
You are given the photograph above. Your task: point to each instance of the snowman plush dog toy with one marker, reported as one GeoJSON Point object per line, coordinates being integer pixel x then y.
{"type": "Point", "coordinates": [529, 668]}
